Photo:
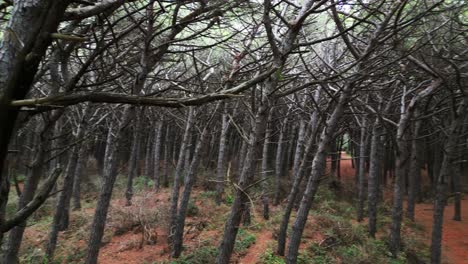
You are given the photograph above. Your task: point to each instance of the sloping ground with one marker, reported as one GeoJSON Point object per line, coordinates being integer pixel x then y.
{"type": "Point", "coordinates": [455, 233]}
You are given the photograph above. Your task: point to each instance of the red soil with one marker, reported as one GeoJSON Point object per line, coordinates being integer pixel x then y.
{"type": "Point", "coordinates": [124, 249]}
{"type": "Point", "coordinates": [455, 233]}
{"type": "Point", "coordinates": [258, 249]}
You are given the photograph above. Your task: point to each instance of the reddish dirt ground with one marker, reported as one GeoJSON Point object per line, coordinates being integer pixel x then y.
{"type": "Point", "coordinates": [455, 235]}
{"type": "Point", "coordinates": [124, 249]}
{"type": "Point", "coordinates": [256, 250]}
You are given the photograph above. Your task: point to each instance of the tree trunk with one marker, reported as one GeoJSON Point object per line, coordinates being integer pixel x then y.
{"type": "Point", "coordinates": [362, 170]}
{"type": "Point", "coordinates": [110, 174]}
{"type": "Point", "coordinates": [246, 178]}
{"type": "Point", "coordinates": [279, 162]}
{"type": "Point", "coordinates": [221, 158]}
{"type": "Point", "coordinates": [82, 160]}
{"type": "Point", "coordinates": [318, 169]}
{"type": "Point", "coordinates": [157, 154]}
{"type": "Point", "coordinates": [298, 176]}
{"type": "Point", "coordinates": [265, 169]}
{"type": "Point", "coordinates": [414, 169]}
{"type": "Point", "coordinates": [449, 158]}
{"type": "Point", "coordinates": [375, 171]}
{"type": "Point", "coordinates": [134, 154]}
{"type": "Point", "coordinates": [189, 182]}
{"type": "Point", "coordinates": [178, 172]}
{"type": "Point", "coordinates": [165, 168]}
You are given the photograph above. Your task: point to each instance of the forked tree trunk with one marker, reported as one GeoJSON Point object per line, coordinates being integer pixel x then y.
{"type": "Point", "coordinates": [110, 174]}
{"type": "Point", "coordinates": [189, 182]}
{"type": "Point", "coordinates": [178, 172]}
{"type": "Point", "coordinates": [318, 169]}
{"type": "Point", "coordinates": [297, 178]}
{"type": "Point", "coordinates": [246, 178]}
{"type": "Point", "coordinates": [402, 159]}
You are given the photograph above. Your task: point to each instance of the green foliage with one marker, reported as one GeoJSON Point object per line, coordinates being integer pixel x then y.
{"type": "Point", "coordinates": [208, 195]}
{"type": "Point", "coordinates": [244, 240]}
{"type": "Point", "coordinates": [201, 255]}
{"type": "Point", "coordinates": [192, 209]}
{"type": "Point", "coordinates": [304, 257]}
{"type": "Point", "coordinates": [77, 256]}
{"type": "Point", "coordinates": [270, 258]}
{"type": "Point", "coordinates": [229, 199]}
{"type": "Point", "coordinates": [142, 182]}
{"type": "Point", "coordinates": [320, 254]}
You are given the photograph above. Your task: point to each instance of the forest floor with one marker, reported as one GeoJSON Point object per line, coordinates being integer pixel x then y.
{"type": "Point", "coordinates": [137, 234]}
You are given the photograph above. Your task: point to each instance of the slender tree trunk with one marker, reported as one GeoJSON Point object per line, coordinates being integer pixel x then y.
{"type": "Point", "coordinates": [178, 172]}
{"type": "Point", "coordinates": [34, 175]}
{"type": "Point", "coordinates": [375, 171]}
{"type": "Point", "coordinates": [362, 170]}
{"type": "Point", "coordinates": [246, 178]}
{"type": "Point", "coordinates": [298, 176]}
{"type": "Point", "coordinates": [82, 160]}
{"type": "Point", "coordinates": [221, 158]}
{"type": "Point", "coordinates": [318, 169]}
{"type": "Point", "coordinates": [149, 159]}
{"type": "Point", "coordinates": [110, 174]}
{"type": "Point", "coordinates": [165, 168]}
{"type": "Point", "coordinates": [189, 182]}
{"type": "Point", "coordinates": [157, 154]}
{"type": "Point", "coordinates": [61, 214]}
{"type": "Point", "coordinates": [265, 169]}
{"type": "Point", "coordinates": [449, 158]}
{"type": "Point", "coordinates": [414, 170]}
{"type": "Point", "coordinates": [279, 162]}
{"type": "Point", "coordinates": [134, 154]}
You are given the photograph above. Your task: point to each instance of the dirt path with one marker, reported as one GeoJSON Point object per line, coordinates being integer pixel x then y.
{"type": "Point", "coordinates": [455, 235]}
{"type": "Point", "coordinates": [258, 249]}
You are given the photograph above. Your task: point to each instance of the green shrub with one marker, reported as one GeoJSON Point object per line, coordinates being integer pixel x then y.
{"type": "Point", "coordinates": [270, 258]}
{"type": "Point", "coordinates": [142, 182]}
{"type": "Point", "coordinates": [244, 241]}
{"type": "Point", "coordinates": [202, 255]}
{"type": "Point", "coordinates": [229, 199]}
{"type": "Point", "coordinates": [192, 209]}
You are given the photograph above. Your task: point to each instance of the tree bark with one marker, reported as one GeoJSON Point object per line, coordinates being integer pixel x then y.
{"type": "Point", "coordinates": [157, 155]}
{"type": "Point", "coordinates": [134, 154]}
{"type": "Point", "coordinates": [362, 170]}
{"type": "Point", "coordinates": [178, 172]}
{"type": "Point", "coordinates": [189, 182]}
{"type": "Point", "coordinates": [318, 169]}
{"type": "Point", "coordinates": [375, 171]}
{"type": "Point", "coordinates": [221, 158]}
{"type": "Point", "coordinates": [110, 174]}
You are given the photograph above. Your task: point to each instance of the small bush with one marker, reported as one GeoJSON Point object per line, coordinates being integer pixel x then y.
{"type": "Point", "coordinates": [270, 258]}
{"type": "Point", "coordinates": [244, 241]}
{"type": "Point", "coordinates": [202, 255]}
{"type": "Point", "coordinates": [229, 199]}
{"type": "Point", "coordinates": [192, 209]}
